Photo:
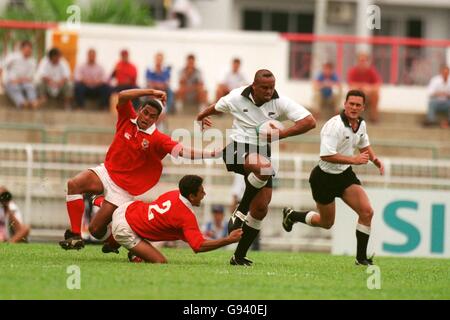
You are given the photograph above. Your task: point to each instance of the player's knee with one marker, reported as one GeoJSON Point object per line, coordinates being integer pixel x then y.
{"type": "Point", "coordinates": [367, 213]}
{"type": "Point", "coordinates": [72, 187]}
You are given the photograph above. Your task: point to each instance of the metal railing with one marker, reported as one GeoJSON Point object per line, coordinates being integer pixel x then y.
{"type": "Point", "coordinates": [404, 61]}
{"type": "Point", "coordinates": [37, 173]}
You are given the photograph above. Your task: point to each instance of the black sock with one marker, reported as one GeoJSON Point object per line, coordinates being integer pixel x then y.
{"type": "Point", "coordinates": [298, 216]}
{"type": "Point", "coordinates": [249, 193]}
{"type": "Point", "coordinates": [361, 247]}
{"type": "Point", "coordinates": [248, 236]}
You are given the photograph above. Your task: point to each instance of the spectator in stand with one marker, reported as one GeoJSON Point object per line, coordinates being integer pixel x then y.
{"type": "Point", "coordinates": [19, 70]}
{"type": "Point", "coordinates": [90, 81]}
{"type": "Point", "coordinates": [125, 75]}
{"type": "Point", "coordinates": [233, 79]}
{"type": "Point", "coordinates": [327, 91]}
{"type": "Point", "coordinates": [217, 227]}
{"type": "Point", "coordinates": [191, 89]}
{"type": "Point", "coordinates": [159, 78]}
{"type": "Point", "coordinates": [12, 228]}
{"type": "Point", "coordinates": [363, 76]}
{"type": "Point", "coordinates": [439, 91]}
{"type": "Point", "coordinates": [53, 77]}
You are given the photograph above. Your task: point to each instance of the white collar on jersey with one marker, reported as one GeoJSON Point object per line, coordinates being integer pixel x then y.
{"type": "Point", "coordinates": [187, 203]}
{"type": "Point", "coordinates": [149, 130]}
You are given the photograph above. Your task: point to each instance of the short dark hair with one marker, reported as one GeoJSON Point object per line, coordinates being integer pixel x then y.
{"type": "Point", "coordinates": [191, 56]}
{"type": "Point", "coordinates": [190, 184]}
{"type": "Point", "coordinates": [5, 196]}
{"type": "Point", "coordinates": [356, 93]}
{"type": "Point", "coordinates": [26, 43]}
{"type": "Point", "coordinates": [154, 104]}
{"type": "Point", "coordinates": [54, 52]}
{"type": "Point", "coordinates": [263, 73]}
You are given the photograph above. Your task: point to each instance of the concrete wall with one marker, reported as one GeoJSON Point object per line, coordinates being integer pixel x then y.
{"type": "Point", "coordinates": [214, 51]}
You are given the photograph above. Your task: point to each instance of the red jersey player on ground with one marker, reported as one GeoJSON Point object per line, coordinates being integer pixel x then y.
{"type": "Point", "coordinates": [170, 217]}
{"type": "Point", "coordinates": [132, 165]}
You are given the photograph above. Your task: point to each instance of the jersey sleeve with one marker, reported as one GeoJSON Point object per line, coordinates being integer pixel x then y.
{"type": "Point", "coordinates": [364, 141]}
{"type": "Point", "coordinates": [223, 105]}
{"type": "Point", "coordinates": [167, 144]}
{"type": "Point", "coordinates": [329, 139]}
{"type": "Point", "coordinates": [192, 233]}
{"type": "Point", "coordinates": [292, 110]}
{"type": "Point", "coordinates": [125, 112]}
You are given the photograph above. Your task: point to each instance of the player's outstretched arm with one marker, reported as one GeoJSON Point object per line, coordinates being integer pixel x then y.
{"type": "Point", "coordinates": [209, 245]}
{"type": "Point", "coordinates": [126, 95]}
{"type": "Point", "coordinates": [300, 126]}
{"type": "Point", "coordinates": [203, 116]}
{"type": "Point", "coordinates": [191, 153]}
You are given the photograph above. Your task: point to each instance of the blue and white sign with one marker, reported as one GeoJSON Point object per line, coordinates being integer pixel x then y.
{"type": "Point", "coordinates": [405, 223]}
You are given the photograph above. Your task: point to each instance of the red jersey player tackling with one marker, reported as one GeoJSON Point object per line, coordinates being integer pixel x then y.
{"type": "Point", "coordinates": [170, 217]}
{"type": "Point", "coordinates": [132, 165]}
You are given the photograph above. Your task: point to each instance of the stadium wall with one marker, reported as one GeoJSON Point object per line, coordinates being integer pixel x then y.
{"type": "Point", "coordinates": [214, 51]}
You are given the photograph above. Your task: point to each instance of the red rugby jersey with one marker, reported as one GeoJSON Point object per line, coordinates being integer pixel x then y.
{"type": "Point", "coordinates": [168, 218]}
{"type": "Point", "coordinates": [134, 158]}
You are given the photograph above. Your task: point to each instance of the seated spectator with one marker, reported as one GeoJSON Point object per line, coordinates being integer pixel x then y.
{"type": "Point", "coordinates": [159, 78]}
{"type": "Point", "coordinates": [125, 75]}
{"type": "Point", "coordinates": [327, 91]}
{"type": "Point", "coordinates": [232, 80]}
{"type": "Point", "coordinates": [365, 77]}
{"type": "Point", "coordinates": [90, 82]}
{"type": "Point", "coordinates": [439, 90]}
{"type": "Point", "coordinates": [191, 88]}
{"type": "Point", "coordinates": [53, 77]}
{"type": "Point", "coordinates": [19, 69]}
{"type": "Point", "coordinates": [217, 227]}
{"type": "Point", "coordinates": [11, 227]}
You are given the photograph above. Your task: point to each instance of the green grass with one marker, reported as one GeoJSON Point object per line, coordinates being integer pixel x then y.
{"type": "Point", "coordinates": [38, 271]}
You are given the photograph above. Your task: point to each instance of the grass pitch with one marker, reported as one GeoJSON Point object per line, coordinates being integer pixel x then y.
{"type": "Point", "coordinates": [39, 271]}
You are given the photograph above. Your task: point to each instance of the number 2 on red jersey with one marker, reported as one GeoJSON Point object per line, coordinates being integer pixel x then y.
{"type": "Point", "coordinates": [156, 208]}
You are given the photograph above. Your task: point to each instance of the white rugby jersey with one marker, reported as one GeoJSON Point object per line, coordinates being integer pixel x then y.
{"type": "Point", "coordinates": [337, 136]}
{"type": "Point", "coordinates": [248, 116]}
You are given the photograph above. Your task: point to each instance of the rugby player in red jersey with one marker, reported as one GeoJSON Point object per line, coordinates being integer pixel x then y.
{"type": "Point", "coordinates": [132, 165]}
{"type": "Point", "coordinates": [170, 217]}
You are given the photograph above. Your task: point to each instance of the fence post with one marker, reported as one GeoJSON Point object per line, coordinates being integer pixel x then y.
{"type": "Point", "coordinates": [28, 190]}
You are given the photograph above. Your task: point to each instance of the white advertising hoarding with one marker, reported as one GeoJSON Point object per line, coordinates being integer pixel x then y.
{"type": "Point", "coordinates": [405, 223]}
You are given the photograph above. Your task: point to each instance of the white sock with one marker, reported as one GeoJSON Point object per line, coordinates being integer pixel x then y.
{"type": "Point", "coordinates": [309, 217]}
{"type": "Point", "coordinates": [362, 228]}
{"type": "Point", "coordinates": [254, 223]}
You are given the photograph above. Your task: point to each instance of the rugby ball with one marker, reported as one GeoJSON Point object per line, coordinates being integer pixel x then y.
{"type": "Point", "coordinates": [266, 127]}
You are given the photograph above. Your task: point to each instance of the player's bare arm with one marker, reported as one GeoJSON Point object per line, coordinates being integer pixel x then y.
{"type": "Point", "coordinates": [209, 245]}
{"type": "Point", "coordinates": [203, 116]}
{"type": "Point", "coordinates": [361, 158]}
{"type": "Point", "coordinates": [300, 126]}
{"type": "Point", "coordinates": [372, 157]}
{"type": "Point", "coordinates": [191, 153]}
{"type": "Point", "coordinates": [126, 95]}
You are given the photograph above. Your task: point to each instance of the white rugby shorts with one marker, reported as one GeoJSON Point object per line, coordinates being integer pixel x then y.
{"type": "Point", "coordinates": [121, 230]}
{"type": "Point", "coordinates": [115, 194]}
